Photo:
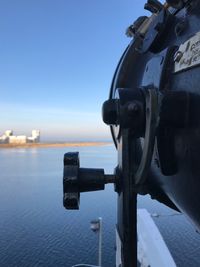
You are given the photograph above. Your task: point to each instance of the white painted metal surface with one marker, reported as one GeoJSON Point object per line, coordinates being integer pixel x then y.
{"type": "Point", "coordinates": [118, 250]}
{"type": "Point", "coordinates": [152, 250]}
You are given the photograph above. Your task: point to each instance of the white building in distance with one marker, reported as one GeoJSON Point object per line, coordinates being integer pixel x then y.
{"type": "Point", "coordinates": [9, 138]}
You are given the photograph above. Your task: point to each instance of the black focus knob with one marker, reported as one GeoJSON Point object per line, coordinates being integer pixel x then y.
{"type": "Point", "coordinates": [71, 193]}
{"type": "Point", "coordinates": [178, 4]}
{"type": "Point", "coordinates": [77, 180]}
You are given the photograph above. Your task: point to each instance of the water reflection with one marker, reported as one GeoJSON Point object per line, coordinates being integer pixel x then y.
{"type": "Point", "coordinates": [35, 229]}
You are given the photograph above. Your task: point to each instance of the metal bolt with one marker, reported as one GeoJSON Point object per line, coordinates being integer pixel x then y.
{"type": "Point", "coordinates": [132, 29]}
{"type": "Point", "coordinates": [110, 112]}
{"type": "Point", "coordinates": [153, 6]}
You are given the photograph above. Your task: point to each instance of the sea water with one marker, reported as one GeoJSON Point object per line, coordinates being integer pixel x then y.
{"type": "Point", "coordinates": [35, 229]}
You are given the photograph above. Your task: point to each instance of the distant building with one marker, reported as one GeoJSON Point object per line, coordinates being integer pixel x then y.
{"type": "Point", "coordinates": [9, 138]}
{"type": "Point", "coordinates": [35, 138]}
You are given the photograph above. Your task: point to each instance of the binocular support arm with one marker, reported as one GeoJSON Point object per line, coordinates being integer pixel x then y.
{"type": "Point", "coordinates": [137, 110]}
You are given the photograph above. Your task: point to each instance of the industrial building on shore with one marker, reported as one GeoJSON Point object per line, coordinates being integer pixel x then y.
{"type": "Point", "coordinates": [9, 138]}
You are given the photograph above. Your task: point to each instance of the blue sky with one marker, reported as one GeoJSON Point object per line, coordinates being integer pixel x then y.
{"type": "Point", "coordinates": [57, 62]}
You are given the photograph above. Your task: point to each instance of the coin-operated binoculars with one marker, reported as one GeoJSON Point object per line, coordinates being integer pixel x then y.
{"type": "Point", "coordinates": [153, 112]}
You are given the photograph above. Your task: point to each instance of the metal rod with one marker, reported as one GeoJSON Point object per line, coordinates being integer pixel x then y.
{"type": "Point", "coordinates": [100, 242]}
{"type": "Point", "coordinates": [127, 202]}
{"type": "Point", "coordinates": [110, 178]}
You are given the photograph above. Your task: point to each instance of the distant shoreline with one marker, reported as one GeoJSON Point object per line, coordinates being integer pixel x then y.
{"type": "Point", "coordinates": [36, 145]}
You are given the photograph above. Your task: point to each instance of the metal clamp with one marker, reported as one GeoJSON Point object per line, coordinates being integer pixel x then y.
{"type": "Point", "coordinates": [151, 97]}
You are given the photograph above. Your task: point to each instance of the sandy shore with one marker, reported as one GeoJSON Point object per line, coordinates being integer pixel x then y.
{"type": "Point", "coordinates": [36, 145]}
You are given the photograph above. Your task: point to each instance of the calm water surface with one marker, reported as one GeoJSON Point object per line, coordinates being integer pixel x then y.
{"type": "Point", "coordinates": [35, 230]}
